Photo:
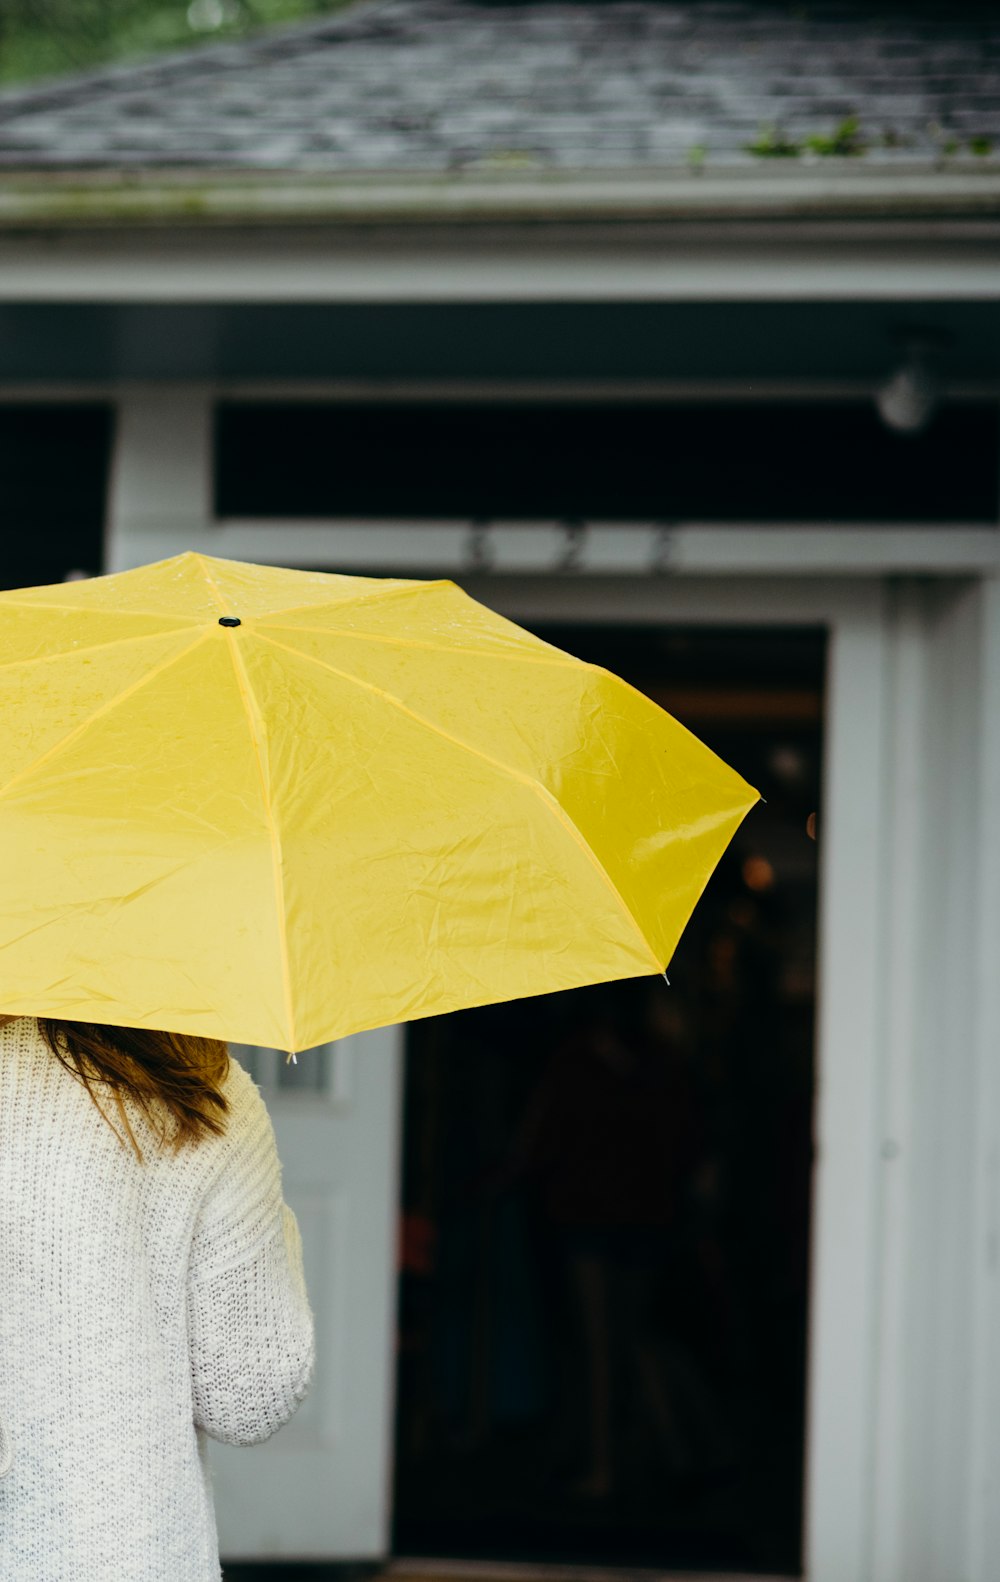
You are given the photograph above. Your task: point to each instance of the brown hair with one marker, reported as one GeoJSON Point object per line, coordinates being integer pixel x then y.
{"type": "Point", "coordinates": [174, 1078]}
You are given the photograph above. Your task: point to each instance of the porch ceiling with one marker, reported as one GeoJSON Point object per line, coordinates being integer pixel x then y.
{"type": "Point", "coordinates": [732, 347]}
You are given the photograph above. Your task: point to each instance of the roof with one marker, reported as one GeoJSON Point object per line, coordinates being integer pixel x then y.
{"type": "Point", "coordinates": [444, 86]}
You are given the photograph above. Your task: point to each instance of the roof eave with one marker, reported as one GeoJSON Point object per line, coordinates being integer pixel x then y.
{"type": "Point", "coordinates": [60, 199]}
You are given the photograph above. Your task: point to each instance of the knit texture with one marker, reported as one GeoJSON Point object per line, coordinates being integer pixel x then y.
{"type": "Point", "coordinates": [142, 1306]}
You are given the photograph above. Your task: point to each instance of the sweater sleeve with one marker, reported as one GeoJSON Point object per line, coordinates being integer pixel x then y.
{"type": "Point", "coordinates": [250, 1329]}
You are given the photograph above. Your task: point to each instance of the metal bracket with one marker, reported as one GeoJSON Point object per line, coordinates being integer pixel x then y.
{"type": "Point", "coordinates": [480, 550]}
{"type": "Point", "coordinates": [575, 536]}
{"type": "Point", "coordinates": [664, 549]}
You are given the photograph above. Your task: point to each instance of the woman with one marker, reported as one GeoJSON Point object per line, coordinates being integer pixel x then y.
{"type": "Point", "coordinates": [151, 1293]}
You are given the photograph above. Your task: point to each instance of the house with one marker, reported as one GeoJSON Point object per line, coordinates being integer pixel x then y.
{"type": "Point", "coordinates": [639, 318]}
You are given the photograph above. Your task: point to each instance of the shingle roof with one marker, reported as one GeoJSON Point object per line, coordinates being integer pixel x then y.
{"type": "Point", "coordinates": [438, 85]}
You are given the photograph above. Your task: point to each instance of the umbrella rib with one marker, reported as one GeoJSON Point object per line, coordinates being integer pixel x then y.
{"type": "Point", "coordinates": [224, 603]}
{"type": "Point", "coordinates": [378, 592]}
{"type": "Point", "coordinates": [380, 595]}
{"type": "Point", "coordinates": [74, 653]}
{"type": "Point", "coordinates": [256, 728]}
{"type": "Point", "coordinates": [105, 708]}
{"type": "Point", "coordinates": [540, 791]}
{"type": "Point", "coordinates": [557, 660]}
{"type": "Point", "coordinates": [101, 610]}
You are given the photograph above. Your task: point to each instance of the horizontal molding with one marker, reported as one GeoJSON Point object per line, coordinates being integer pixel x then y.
{"type": "Point", "coordinates": [593, 549]}
{"type": "Point", "coordinates": [806, 189]}
{"type": "Point", "coordinates": [542, 261]}
{"type": "Point", "coordinates": [529, 392]}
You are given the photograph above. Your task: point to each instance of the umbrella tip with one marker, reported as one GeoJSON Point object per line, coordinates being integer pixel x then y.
{"type": "Point", "coordinates": [229, 620]}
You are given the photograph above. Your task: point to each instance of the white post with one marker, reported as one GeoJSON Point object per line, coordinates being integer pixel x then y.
{"type": "Point", "coordinates": [984, 1479]}
{"type": "Point", "coordinates": [844, 1297]}
{"type": "Point", "coordinates": [160, 491]}
{"type": "Point", "coordinates": [938, 1336]}
{"type": "Point", "coordinates": [904, 819]}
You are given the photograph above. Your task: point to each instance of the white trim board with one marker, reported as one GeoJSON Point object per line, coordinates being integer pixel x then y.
{"type": "Point", "coordinates": [956, 192]}
{"type": "Point", "coordinates": [495, 264]}
{"type": "Point", "coordinates": [587, 550]}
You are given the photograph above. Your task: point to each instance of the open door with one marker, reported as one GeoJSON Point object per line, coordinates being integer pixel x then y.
{"type": "Point", "coordinates": [320, 1488]}
{"type": "Point", "coordinates": [607, 1195]}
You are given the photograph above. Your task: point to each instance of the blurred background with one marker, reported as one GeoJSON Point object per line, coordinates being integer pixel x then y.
{"type": "Point", "coordinates": [670, 329]}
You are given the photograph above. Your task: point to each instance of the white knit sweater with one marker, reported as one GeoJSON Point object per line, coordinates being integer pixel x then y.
{"type": "Point", "coordinates": [142, 1306]}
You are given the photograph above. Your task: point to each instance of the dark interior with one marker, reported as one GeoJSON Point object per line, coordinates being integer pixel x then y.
{"type": "Point", "coordinates": [606, 1196]}
{"type": "Point", "coordinates": [785, 462]}
{"type": "Point", "coordinates": [54, 465]}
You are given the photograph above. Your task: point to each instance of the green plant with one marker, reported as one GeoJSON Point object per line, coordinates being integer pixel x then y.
{"type": "Point", "coordinates": [980, 144]}
{"type": "Point", "coordinates": [845, 140]}
{"type": "Point", "coordinates": [771, 143]}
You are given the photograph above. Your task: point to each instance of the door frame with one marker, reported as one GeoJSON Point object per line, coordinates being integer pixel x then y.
{"type": "Point", "coordinates": [902, 1453]}
{"type": "Point", "coordinates": [845, 1289]}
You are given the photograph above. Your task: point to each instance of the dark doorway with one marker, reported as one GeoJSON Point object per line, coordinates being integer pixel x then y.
{"type": "Point", "coordinates": [54, 461]}
{"type": "Point", "coordinates": [606, 1196]}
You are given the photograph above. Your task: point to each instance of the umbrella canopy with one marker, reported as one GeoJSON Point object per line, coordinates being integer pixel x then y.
{"type": "Point", "coordinates": [278, 807]}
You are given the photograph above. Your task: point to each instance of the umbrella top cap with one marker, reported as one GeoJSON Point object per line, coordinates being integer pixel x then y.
{"type": "Point", "coordinates": [229, 620]}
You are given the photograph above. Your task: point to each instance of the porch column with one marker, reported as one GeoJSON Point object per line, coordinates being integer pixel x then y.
{"type": "Point", "coordinates": [984, 1360]}
{"type": "Point", "coordinates": [160, 489]}
{"type": "Point", "coordinates": [934, 1489]}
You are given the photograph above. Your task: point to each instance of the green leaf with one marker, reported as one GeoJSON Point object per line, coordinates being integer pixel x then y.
{"type": "Point", "coordinates": [771, 143]}
{"type": "Point", "coordinates": [845, 141]}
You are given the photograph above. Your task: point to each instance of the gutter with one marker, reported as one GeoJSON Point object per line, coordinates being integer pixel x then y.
{"type": "Point", "coordinates": [190, 198]}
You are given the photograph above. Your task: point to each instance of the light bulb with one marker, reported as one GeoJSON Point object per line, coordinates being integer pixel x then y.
{"type": "Point", "coordinates": [908, 399]}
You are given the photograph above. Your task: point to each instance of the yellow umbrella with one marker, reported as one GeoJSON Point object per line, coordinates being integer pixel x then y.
{"type": "Point", "coordinates": [278, 807]}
